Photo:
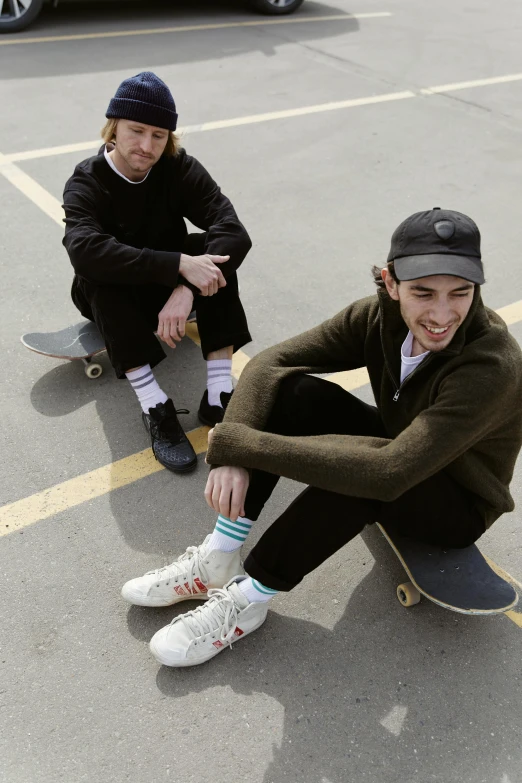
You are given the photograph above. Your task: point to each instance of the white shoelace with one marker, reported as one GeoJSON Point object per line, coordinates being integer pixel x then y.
{"type": "Point", "coordinates": [179, 566]}
{"type": "Point", "coordinates": [218, 614]}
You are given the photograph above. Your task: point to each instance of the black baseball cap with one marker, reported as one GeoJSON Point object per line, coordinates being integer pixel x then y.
{"type": "Point", "coordinates": [437, 242]}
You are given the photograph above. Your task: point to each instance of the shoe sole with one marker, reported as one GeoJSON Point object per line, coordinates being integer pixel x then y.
{"type": "Point", "coordinates": [187, 469]}
{"type": "Point", "coordinates": [161, 658]}
{"type": "Point", "coordinates": [138, 600]}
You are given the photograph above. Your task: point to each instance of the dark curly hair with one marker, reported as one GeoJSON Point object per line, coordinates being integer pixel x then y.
{"type": "Point", "coordinates": [376, 273]}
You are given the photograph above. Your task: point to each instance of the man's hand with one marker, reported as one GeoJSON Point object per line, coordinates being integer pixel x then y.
{"type": "Point", "coordinates": [173, 317]}
{"type": "Point", "coordinates": [226, 491]}
{"type": "Point", "coordinates": [202, 272]}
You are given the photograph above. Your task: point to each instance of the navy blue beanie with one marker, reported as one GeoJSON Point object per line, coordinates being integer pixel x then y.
{"type": "Point", "coordinates": [144, 98]}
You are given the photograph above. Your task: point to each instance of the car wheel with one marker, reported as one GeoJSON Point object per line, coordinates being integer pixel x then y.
{"type": "Point", "coordinates": [275, 6]}
{"type": "Point", "coordinates": [16, 15]}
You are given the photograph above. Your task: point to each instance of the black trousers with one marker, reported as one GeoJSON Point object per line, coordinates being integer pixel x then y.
{"type": "Point", "coordinates": [127, 317]}
{"type": "Point", "coordinates": [318, 522]}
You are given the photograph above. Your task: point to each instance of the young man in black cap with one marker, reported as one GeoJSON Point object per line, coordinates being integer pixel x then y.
{"type": "Point", "coordinates": [138, 272]}
{"type": "Point", "coordinates": [435, 457]}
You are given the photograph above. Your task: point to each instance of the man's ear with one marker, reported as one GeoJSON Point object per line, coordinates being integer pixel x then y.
{"type": "Point", "coordinates": [391, 285]}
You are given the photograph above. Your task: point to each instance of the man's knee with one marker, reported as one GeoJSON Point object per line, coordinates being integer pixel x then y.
{"type": "Point", "coordinates": [291, 403]}
{"type": "Point", "coordinates": [461, 539]}
{"type": "Point", "coordinates": [299, 386]}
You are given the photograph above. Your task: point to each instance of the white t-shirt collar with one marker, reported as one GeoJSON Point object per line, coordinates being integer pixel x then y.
{"type": "Point", "coordinates": [408, 362]}
{"type": "Point", "coordinates": [113, 167]}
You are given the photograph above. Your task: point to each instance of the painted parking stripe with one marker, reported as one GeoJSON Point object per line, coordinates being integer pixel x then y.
{"type": "Point", "coordinates": [469, 85]}
{"type": "Point", "coordinates": [85, 146]}
{"type": "Point", "coordinates": [194, 28]}
{"type": "Point", "coordinates": [15, 516]}
{"type": "Point", "coordinates": [233, 122]}
{"type": "Point", "coordinates": [32, 189]}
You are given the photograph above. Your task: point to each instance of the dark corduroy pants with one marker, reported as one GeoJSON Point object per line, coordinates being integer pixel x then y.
{"type": "Point", "coordinates": [318, 522]}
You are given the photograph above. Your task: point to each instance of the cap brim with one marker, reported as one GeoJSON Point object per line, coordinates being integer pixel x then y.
{"type": "Point", "coordinates": [413, 267]}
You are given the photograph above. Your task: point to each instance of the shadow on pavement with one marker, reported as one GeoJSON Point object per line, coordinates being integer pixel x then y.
{"type": "Point", "coordinates": [107, 54]}
{"type": "Point", "coordinates": [388, 716]}
{"type": "Point", "coordinates": [376, 693]}
{"type": "Point", "coordinates": [151, 512]}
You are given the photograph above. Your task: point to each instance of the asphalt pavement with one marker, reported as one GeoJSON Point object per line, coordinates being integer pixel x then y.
{"type": "Point", "coordinates": [325, 129]}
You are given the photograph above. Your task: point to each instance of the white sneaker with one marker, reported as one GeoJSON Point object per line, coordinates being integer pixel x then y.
{"type": "Point", "coordinates": [197, 636]}
{"type": "Point", "coordinates": [188, 577]}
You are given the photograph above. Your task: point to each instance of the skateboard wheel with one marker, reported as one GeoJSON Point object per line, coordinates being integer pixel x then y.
{"type": "Point", "coordinates": [93, 370]}
{"type": "Point", "coordinates": [408, 594]}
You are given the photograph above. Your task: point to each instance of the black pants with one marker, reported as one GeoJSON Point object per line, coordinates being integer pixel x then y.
{"type": "Point", "coordinates": [318, 522]}
{"type": "Point", "coordinates": [127, 317]}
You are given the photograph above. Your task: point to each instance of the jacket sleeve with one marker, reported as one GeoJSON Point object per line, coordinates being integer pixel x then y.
{"type": "Point", "coordinates": [206, 207]}
{"type": "Point", "coordinates": [99, 257]}
{"type": "Point", "coordinates": [463, 414]}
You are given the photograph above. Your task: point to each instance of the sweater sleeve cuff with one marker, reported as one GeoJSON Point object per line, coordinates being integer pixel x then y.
{"type": "Point", "coordinates": [165, 267]}
{"type": "Point", "coordinates": [232, 444]}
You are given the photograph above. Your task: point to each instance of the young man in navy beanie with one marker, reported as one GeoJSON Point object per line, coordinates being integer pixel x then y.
{"type": "Point", "coordinates": [139, 272]}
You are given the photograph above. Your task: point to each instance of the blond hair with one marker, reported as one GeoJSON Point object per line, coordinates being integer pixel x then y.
{"type": "Point", "coordinates": [172, 148]}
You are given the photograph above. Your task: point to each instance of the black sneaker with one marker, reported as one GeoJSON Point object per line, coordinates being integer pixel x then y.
{"type": "Point", "coordinates": [170, 445]}
{"type": "Point", "coordinates": [213, 414]}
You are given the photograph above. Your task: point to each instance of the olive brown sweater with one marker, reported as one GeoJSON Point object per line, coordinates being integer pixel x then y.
{"type": "Point", "coordinates": [459, 411]}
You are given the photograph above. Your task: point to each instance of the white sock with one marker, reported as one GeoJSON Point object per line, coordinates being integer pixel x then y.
{"type": "Point", "coordinates": [146, 387]}
{"type": "Point", "coordinates": [229, 536]}
{"type": "Point", "coordinates": [254, 591]}
{"type": "Point", "coordinates": [219, 379]}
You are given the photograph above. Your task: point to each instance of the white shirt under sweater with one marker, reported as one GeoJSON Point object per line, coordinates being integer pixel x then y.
{"type": "Point", "coordinates": [113, 167]}
{"type": "Point", "coordinates": [408, 362]}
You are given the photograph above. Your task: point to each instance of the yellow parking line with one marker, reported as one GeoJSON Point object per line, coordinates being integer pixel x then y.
{"type": "Point", "coordinates": [511, 314]}
{"type": "Point", "coordinates": [194, 28]}
{"type": "Point", "coordinates": [350, 379]}
{"type": "Point", "coordinates": [32, 189]}
{"type": "Point", "coordinates": [80, 489]}
{"type": "Point", "coordinates": [101, 481]}
{"type": "Point", "coordinates": [515, 617]}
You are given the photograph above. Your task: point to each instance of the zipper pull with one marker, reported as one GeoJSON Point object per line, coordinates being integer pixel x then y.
{"type": "Point", "coordinates": [396, 395]}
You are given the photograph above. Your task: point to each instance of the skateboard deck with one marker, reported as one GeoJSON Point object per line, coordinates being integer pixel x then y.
{"type": "Point", "coordinates": [81, 341]}
{"type": "Point", "coordinates": [458, 579]}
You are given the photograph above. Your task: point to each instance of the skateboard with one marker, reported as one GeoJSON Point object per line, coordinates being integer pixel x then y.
{"type": "Point", "coordinates": [81, 341]}
{"type": "Point", "coordinates": [458, 579]}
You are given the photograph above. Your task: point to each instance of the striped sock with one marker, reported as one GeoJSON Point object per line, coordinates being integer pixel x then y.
{"type": "Point", "coordinates": [146, 387]}
{"type": "Point", "coordinates": [229, 536]}
{"type": "Point", "coordinates": [219, 379]}
{"type": "Point", "coordinates": [254, 591]}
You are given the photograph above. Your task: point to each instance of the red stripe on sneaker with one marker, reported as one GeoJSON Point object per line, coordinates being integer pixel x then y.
{"type": "Point", "coordinates": [218, 644]}
{"type": "Point", "coordinates": [238, 632]}
{"type": "Point", "coordinates": [199, 584]}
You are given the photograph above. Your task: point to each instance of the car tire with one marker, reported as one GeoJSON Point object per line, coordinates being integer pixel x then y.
{"type": "Point", "coordinates": [28, 10]}
{"type": "Point", "coordinates": [276, 7]}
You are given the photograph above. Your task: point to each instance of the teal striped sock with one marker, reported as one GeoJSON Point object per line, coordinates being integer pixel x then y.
{"type": "Point", "coordinates": [227, 535]}
{"type": "Point", "coordinates": [254, 591]}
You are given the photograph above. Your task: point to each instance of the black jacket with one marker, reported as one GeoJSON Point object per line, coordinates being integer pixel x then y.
{"type": "Point", "coordinates": [117, 232]}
